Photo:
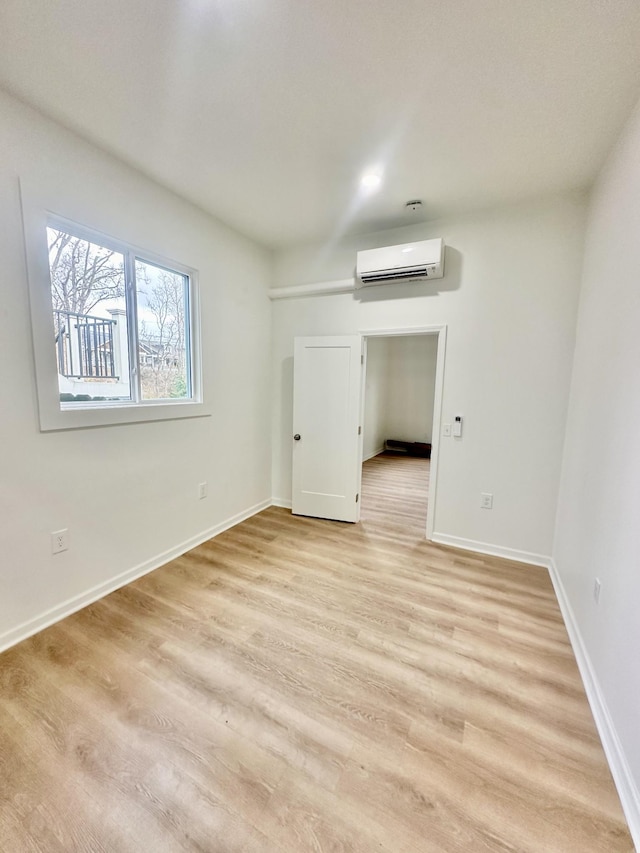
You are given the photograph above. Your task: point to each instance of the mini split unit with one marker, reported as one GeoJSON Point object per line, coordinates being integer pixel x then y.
{"type": "Point", "coordinates": [408, 262]}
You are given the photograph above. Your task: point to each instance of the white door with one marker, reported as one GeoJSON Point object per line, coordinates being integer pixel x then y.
{"type": "Point", "coordinates": [326, 431]}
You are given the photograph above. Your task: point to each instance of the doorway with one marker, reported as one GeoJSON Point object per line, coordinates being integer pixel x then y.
{"type": "Point", "coordinates": [401, 410]}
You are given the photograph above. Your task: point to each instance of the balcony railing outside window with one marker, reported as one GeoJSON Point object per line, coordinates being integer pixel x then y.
{"type": "Point", "coordinates": [84, 346]}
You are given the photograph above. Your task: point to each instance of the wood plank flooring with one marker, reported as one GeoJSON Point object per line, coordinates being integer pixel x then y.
{"type": "Point", "coordinates": [395, 491]}
{"type": "Point", "coordinates": [301, 685]}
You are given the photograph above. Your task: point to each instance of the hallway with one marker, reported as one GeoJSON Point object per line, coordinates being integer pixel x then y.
{"type": "Point", "coordinates": [395, 491]}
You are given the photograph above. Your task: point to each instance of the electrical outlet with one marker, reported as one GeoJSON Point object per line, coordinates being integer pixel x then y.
{"type": "Point", "coordinates": [59, 541]}
{"type": "Point", "coordinates": [596, 590]}
{"type": "Point", "coordinates": [486, 500]}
{"type": "Point", "coordinates": [202, 491]}
{"type": "Point", "coordinates": [446, 430]}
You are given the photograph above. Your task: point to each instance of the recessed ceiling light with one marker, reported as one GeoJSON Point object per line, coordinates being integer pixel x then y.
{"type": "Point", "coordinates": [371, 181]}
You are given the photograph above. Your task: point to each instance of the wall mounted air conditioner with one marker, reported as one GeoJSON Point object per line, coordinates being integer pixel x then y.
{"type": "Point", "coordinates": [416, 261]}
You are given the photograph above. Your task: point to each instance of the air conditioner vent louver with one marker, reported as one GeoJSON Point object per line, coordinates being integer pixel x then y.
{"type": "Point", "coordinates": [394, 275]}
{"type": "Point", "coordinates": [409, 262]}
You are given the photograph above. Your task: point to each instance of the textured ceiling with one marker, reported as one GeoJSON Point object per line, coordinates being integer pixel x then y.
{"type": "Point", "coordinates": [266, 112]}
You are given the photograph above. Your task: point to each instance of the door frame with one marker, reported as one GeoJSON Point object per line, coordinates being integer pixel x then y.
{"type": "Point", "coordinates": [440, 331]}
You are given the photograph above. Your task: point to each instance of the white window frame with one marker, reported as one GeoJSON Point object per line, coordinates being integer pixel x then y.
{"type": "Point", "coordinates": [55, 415]}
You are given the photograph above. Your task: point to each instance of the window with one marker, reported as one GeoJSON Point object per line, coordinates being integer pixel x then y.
{"type": "Point", "coordinates": [115, 329]}
{"type": "Point", "coordinates": [121, 323]}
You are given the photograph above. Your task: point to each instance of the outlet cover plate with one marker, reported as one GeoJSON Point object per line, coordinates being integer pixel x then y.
{"type": "Point", "coordinates": [59, 541]}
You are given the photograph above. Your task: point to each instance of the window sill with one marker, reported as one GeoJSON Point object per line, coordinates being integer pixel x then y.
{"type": "Point", "coordinates": [72, 416]}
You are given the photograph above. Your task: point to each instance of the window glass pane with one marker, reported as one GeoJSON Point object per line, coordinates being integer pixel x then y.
{"type": "Point", "coordinates": [162, 299]}
{"type": "Point", "coordinates": [90, 319]}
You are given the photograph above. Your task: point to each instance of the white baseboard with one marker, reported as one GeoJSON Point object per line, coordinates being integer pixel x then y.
{"type": "Point", "coordinates": [71, 605]}
{"type": "Point", "coordinates": [375, 453]}
{"type": "Point", "coordinates": [492, 550]}
{"type": "Point", "coordinates": [622, 776]}
{"type": "Point", "coordinates": [285, 503]}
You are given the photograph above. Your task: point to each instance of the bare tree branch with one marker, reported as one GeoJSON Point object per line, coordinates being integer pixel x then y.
{"type": "Point", "coordinates": [83, 274]}
{"type": "Point", "coordinates": [163, 363]}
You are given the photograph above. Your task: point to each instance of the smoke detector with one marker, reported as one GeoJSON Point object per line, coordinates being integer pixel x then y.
{"type": "Point", "coordinates": [413, 206]}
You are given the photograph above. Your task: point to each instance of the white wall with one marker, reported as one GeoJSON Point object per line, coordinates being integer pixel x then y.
{"type": "Point", "coordinates": [375, 397]}
{"type": "Point", "coordinates": [598, 524]}
{"type": "Point", "coordinates": [126, 493]}
{"type": "Point", "coordinates": [412, 380]}
{"type": "Point", "coordinates": [509, 298]}
{"type": "Point", "coordinates": [399, 392]}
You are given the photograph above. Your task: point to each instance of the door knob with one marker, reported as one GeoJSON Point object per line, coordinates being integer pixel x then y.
{"type": "Point", "coordinates": [296, 437]}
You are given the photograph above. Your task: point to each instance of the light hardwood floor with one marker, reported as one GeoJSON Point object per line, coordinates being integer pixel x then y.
{"type": "Point", "coordinates": [301, 685]}
{"type": "Point", "coordinates": [395, 492]}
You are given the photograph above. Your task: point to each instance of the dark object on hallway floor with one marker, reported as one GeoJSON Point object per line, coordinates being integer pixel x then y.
{"type": "Point", "coordinates": [408, 448]}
